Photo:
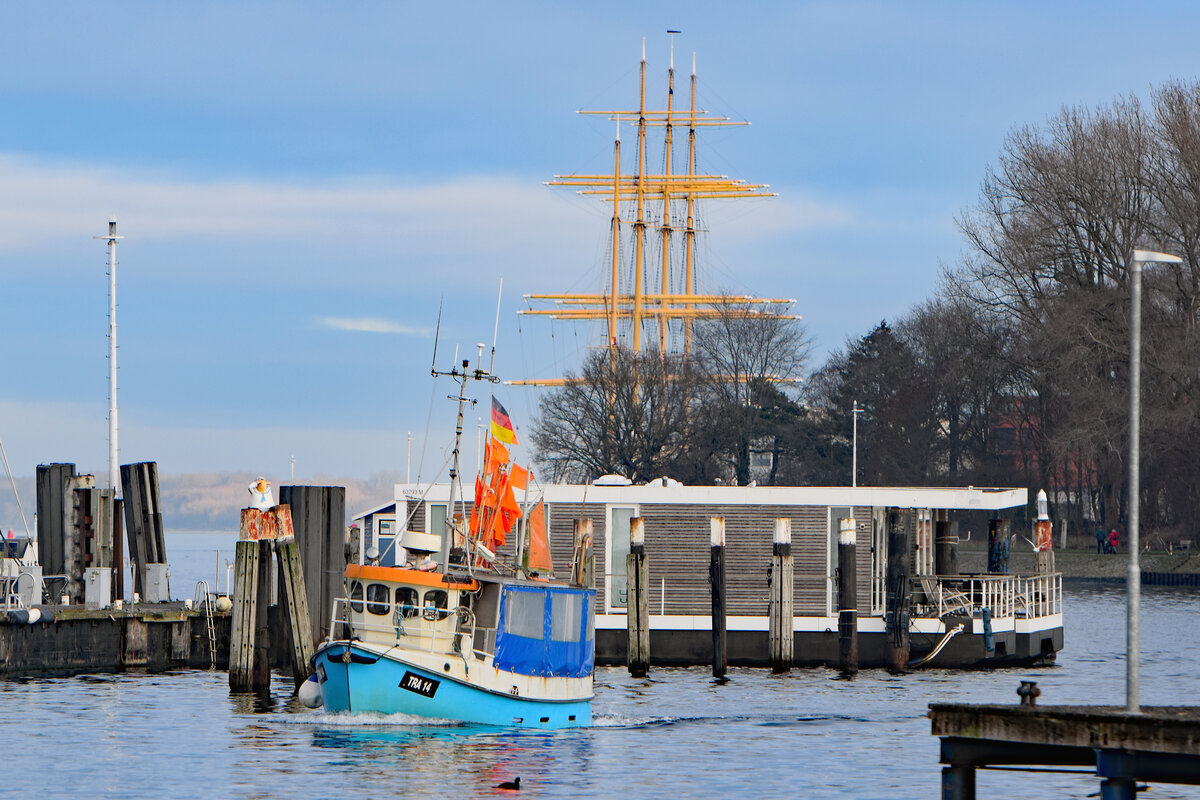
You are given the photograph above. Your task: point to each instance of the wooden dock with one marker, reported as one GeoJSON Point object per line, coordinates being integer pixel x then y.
{"type": "Point", "coordinates": [1158, 744]}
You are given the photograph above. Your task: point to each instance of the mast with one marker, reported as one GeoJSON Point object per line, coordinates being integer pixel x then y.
{"type": "Point", "coordinates": [669, 141]}
{"type": "Point", "coordinates": [639, 225]}
{"type": "Point", "coordinates": [689, 236]}
{"type": "Point", "coordinates": [461, 378]}
{"type": "Point", "coordinates": [614, 293]}
{"type": "Point", "coordinates": [113, 450]}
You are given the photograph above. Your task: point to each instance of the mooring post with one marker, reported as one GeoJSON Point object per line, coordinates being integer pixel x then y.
{"type": "Point", "coordinates": [585, 560]}
{"type": "Point", "coordinates": [782, 634]}
{"type": "Point", "coordinates": [716, 577]}
{"type": "Point", "coordinates": [998, 545]}
{"type": "Point", "coordinates": [847, 597]}
{"type": "Point", "coordinates": [296, 598]}
{"type": "Point", "coordinates": [260, 671]}
{"type": "Point", "coordinates": [899, 581]}
{"type": "Point", "coordinates": [242, 627]}
{"type": "Point", "coordinates": [638, 611]}
{"type": "Point", "coordinates": [945, 537]}
{"type": "Point", "coordinates": [958, 782]}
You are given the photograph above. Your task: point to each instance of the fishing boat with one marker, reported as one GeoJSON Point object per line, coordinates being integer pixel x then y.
{"type": "Point", "coordinates": [439, 626]}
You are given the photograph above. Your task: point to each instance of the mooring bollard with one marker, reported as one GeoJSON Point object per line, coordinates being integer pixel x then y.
{"type": "Point", "coordinates": [782, 634]}
{"type": "Point", "coordinates": [716, 578]}
{"type": "Point", "coordinates": [638, 601]}
{"type": "Point", "coordinates": [899, 582]}
{"type": "Point", "coordinates": [847, 597]}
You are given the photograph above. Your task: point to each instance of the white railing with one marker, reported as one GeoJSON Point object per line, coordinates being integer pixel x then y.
{"type": "Point", "coordinates": [1005, 596]}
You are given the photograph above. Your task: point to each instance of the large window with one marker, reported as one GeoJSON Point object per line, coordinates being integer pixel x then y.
{"type": "Point", "coordinates": [566, 611]}
{"type": "Point", "coordinates": [378, 598]}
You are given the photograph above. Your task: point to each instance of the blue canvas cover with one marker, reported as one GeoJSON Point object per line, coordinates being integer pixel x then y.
{"type": "Point", "coordinates": [546, 631]}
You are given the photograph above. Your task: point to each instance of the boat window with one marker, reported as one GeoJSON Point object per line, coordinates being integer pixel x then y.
{"type": "Point", "coordinates": [435, 604]}
{"type": "Point", "coordinates": [525, 614]}
{"type": "Point", "coordinates": [565, 612]}
{"type": "Point", "coordinates": [356, 596]}
{"type": "Point", "coordinates": [406, 601]}
{"type": "Point", "coordinates": [377, 598]}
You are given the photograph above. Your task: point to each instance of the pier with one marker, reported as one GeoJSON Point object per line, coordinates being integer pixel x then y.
{"type": "Point", "coordinates": [1158, 744]}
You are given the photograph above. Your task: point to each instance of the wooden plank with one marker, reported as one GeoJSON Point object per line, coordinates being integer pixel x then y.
{"type": "Point", "coordinates": [242, 631]}
{"type": "Point", "coordinates": [260, 672]}
{"type": "Point", "coordinates": [296, 600]}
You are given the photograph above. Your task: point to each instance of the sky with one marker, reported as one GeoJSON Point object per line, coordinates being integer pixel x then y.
{"type": "Point", "coordinates": [302, 186]}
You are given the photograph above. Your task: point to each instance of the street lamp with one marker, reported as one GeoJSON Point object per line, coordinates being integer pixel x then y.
{"type": "Point", "coordinates": [1133, 584]}
{"type": "Point", "coordinates": [854, 412]}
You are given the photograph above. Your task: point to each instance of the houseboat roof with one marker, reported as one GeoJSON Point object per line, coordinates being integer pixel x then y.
{"type": "Point", "coordinates": [968, 498]}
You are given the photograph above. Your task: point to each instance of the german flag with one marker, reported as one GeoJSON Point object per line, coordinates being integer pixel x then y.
{"type": "Point", "coordinates": [502, 427]}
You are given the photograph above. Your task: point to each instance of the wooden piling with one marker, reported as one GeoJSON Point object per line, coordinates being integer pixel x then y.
{"type": "Point", "coordinates": [945, 537]}
{"type": "Point", "coordinates": [847, 583]}
{"type": "Point", "coordinates": [716, 578]}
{"type": "Point", "coordinates": [242, 628]}
{"type": "Point", "coordinates": [638, 610]}
{"type": "Point", "coordinates": [998, 545]}
{"type": "Point", "coordinates": [584, 564]}
{"type": "Point", "coordinates": [260, 674]}
{"type": "Point", "coordinates": [291, 573]}
{"type": "Point", "coordinates": [143, 521]}
{"type": "Point", "coordinates": [781, 628]}
{"type": "Point", "coordinates": [318, 517]}
{"type": "Point", "coordinates": [899, 585]}
{"type": "Point", "coordinates": [52, 480]}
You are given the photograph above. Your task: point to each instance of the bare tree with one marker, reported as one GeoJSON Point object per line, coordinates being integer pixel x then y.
{"type": "Point", "coordinates": [624, 413]}
{"type": "Point", "coordinates": [746, 356]}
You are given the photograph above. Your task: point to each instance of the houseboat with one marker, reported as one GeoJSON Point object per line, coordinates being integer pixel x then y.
{"type": "Point", "coordinates": [955, 619]}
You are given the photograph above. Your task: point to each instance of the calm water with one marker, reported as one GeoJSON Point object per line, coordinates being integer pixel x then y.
{"type": "Point", "coordinates": [806, 734]}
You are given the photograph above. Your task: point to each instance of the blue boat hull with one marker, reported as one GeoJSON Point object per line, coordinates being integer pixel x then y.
{"type": "Point", "coordinates": [386, 685]}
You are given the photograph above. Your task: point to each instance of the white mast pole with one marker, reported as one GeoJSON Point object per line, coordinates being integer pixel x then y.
{"type": "Point", "coordinates": [113, 450]}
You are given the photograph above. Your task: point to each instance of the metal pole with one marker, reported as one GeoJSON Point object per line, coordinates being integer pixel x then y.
{"type": "Point", "coordinates": [112, 238]}
{"type": "Point", "coordinates": [408, 461]}
{"type": "Point", "coordinates": [854, 412]}
{"type": "Point", "coordinates": [1134, 581]}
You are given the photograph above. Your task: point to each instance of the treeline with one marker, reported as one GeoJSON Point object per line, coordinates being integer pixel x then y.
{"type": "Point", "coordinates": [1016, 373]}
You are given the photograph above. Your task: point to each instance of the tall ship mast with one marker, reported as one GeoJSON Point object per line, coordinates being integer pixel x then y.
{"type": "Point", "coordinates": [652, 298]}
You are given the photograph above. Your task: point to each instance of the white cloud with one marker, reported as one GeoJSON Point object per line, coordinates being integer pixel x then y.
{"type": "Point", "coordinates": [373, 325]}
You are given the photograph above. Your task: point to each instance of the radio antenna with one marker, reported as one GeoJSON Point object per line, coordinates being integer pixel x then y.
{"type": "Point", "coordinates": [496, 329]}
{"type": "Point", "coordinates": [436, 333]}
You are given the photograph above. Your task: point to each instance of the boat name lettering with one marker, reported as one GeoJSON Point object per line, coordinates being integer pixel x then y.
{"type": "Point", "coordinates": [415, 683]}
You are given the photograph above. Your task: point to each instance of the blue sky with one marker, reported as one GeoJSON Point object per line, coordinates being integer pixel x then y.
{"type": "Point", "coordinates": [301, 184]}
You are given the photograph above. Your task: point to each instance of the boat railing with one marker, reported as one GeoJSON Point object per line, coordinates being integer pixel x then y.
{"type": "Point", "coordinates": [1005, 596]}
{"type": "Point", "coordinates": [435, 630]}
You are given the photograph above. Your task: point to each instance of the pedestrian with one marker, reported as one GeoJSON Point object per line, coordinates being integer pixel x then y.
{"type": "Point", "coordinates": [1112, 541]}
{"type": "Point", "coordinates": [1100, 537]}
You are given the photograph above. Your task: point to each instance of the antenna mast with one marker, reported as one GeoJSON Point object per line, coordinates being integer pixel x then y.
{"type": "Point", "coordinates": [113, 450]}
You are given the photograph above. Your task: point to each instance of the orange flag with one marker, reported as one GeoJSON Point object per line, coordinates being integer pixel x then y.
{"type": "Point", "coordinates": [539, 541]}
{"type": "Point", "coordinates": [519, 477]}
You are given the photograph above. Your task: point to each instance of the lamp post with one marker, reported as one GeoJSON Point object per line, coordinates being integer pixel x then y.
{"type": "Point", "coordinates": [1133, 583]}
{"type": "Point", "coordinates": [854, 412]}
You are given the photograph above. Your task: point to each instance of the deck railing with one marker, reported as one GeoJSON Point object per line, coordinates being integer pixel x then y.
{"type": "Point", "coordinates": [1005, 596]}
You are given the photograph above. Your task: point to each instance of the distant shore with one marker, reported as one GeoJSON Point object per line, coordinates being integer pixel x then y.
{"type": "Point", "coordinates": [1083, 563]}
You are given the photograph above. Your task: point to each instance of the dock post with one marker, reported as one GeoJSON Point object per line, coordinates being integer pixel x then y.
{"type": "Point", "coordinates": [245, 599]}
{"type": "Point", "coordinates": [296, 598]}
{"type": "Point", "coordinates": [899, 580]}
{"type": "Point", "coordinates": [782, 636]}
{"type": "Point", "coordinates": [716, 577]}
{"type": "Point", "coordinates": [945, 537]}
{"type": "Point", "coordinates": [638, 611]}
{"type": "Point", "coordinates": [319, 521]}
{"type": "Point", "coordinates": [584, 565]}
{"type": "Point", "coordinates": [958, 782]}
{"type": "Point", "coordinates": [260, 671]}
{"type": "Point", "coordinates": [847, 583]}
{"type": "Point", "coordinates": [998, 545]}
